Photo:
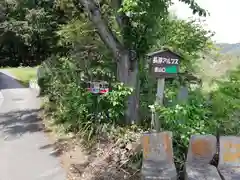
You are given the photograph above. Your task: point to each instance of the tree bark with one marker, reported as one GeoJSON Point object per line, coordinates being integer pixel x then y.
{"type": "Point", "coordinates": [105, 33]}
{"type": "Point", "coordinates": [124, 24]}
{"type": "Point", "coordinates": [133, 100]}
{"type": "Point", "coordinates": [127, 68]}
{"type": "Point", "coordinates": [128, 74]}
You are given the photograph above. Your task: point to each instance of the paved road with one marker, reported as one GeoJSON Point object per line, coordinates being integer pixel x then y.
{"type": "Point", "coordinates": [23, 152]}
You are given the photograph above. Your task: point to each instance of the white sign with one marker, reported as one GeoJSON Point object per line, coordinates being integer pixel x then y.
{"type": "Point", "coordinates": [161, 60]}
{"type": "Point", "coordinates": [160, 69]}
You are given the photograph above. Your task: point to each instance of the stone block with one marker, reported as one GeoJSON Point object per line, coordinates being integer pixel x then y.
{"type": "Point", "coordinates": [201, 172]}
{"type": "Point", "coordinates": [201, 151]}
{"type": "Point", "coordinates": [229, 157]}
{"type": "Point", "coordinates": [201, 148]}
{"type": "Point", "coordinates": [158, 156]}
{"type": "Point", "coordinates": [229, 151]}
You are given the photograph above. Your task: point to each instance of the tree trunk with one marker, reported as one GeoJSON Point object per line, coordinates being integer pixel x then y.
{"type": "Point", "coordinates": [127, 67]}
{"type": "Point", "coordinates": [128, 74]}
{"type": "Point", "coordinates": [133, 100]}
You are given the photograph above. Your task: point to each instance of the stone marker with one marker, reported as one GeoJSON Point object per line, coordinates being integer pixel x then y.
{"type": "Point", "coordinates": [201, 151]}
{"type": "Point", "coordinates": [158, 157]}
{"type": "Point", "coordinates": [202, 148]}
{"type": "Point", "coordinates": [229, 157]}
{"type": "Point", "coordinates": [182, 94]}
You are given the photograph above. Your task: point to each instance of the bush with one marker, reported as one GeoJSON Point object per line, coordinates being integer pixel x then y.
{"type": "Point", "coordinates": [90, 115]}
{"type": "Point", "coordinates": [200, 115]}
{"type": "Point", "coordinates": [186, 119]}
{"type": "Point", "coordinates": [226, 103]}
{"type": "Point", "coordinates": [77, 109]}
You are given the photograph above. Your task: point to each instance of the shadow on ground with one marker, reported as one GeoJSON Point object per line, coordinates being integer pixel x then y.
{"type": "Point", "coordinates": [16, 123]}
{"type": "Point", "coordinates": [8, 82]}
{"type": "Point", "coordinates": [59, 147]}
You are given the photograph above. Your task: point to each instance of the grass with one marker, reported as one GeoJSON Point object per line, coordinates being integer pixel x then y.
{"type": "Point", "coordinates": [23, 74]}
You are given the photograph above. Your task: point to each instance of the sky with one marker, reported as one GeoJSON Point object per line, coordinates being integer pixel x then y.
{"type": "Point", "coordinates": [224, 18]}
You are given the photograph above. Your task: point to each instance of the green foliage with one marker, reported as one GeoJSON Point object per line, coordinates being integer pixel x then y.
{"type": "Point", "coordinates": [145, 17]}
{"type": "Point", "coordinates": [185, 120]}
{"type": "Point", "coordinates": [226, 103]}
{"type": "Point", "coordinates": [188, 38]}
{"type": "Point", "coordinates": [28, 31]}
{"type": "Point", "coordinates": [78, 109]}
{"type": "Point", "coordinates": [218, 114]}
{"type": "Point", "coordinates": [61, 34]}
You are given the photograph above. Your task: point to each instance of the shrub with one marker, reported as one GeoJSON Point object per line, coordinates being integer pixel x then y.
{"type": "Point", "coordinates": [200, 115]}
{"type": "Point", "coordinates": [76, 108]}
{"type": "Point", "coordinates": [186, 119]}
{"type": "Point", "coordinates": [226, 103]}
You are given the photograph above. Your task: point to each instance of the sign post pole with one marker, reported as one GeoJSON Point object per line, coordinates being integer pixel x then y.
{"type": "Point", "coordinates": [159, 101]}
{"type": "Point", "coordinates": [164, 64]}
{"type": "Point", "coordinates": [157, 162]}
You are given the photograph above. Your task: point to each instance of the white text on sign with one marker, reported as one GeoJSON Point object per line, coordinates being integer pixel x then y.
{"type": "Point", "coordinates": [161, 60]}
{"type": "Point", "coordinates": [159, 69]}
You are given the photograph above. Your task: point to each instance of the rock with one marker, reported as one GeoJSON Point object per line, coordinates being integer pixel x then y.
{"type": "Point", "coordinates": [182, 94]}
{"type": "Point", "coordinates": [122, 145]}
{"type": "Point", "coordinates": [123, 157]}
{"type": "Point", "coordinates": [129, 146]}
{"type": "Point", "coordinates": [134, 147]}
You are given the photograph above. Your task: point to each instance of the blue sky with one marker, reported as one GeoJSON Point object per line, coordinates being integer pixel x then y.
{"type": "Point", "coordinates": [224, 18]}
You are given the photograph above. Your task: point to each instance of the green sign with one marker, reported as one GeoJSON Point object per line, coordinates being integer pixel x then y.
{"type": "Point", "coordinates": [166, 69]}
{"type": "Point", "coordinates": [171, 69]}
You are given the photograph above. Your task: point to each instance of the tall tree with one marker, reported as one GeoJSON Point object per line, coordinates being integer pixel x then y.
{"type": "Point", "coordinates": [27, 31]}
{"type": "Point", "coordinates": [137, 23]}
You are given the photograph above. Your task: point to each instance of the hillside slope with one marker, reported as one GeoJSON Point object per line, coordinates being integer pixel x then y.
{"type": "Point", "coordinates": [226, 48]}
{"type": "Point", "coordinates": [215, 66]}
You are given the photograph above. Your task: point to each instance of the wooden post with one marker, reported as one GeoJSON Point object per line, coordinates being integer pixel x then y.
{"type": "Point", "coordinates": [159, 101]}
{"type": "Point", "coordinates": [164, 64]}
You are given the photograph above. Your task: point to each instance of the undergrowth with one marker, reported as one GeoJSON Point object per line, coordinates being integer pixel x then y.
{"type": "Point", "coordinates": [96, 117]}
